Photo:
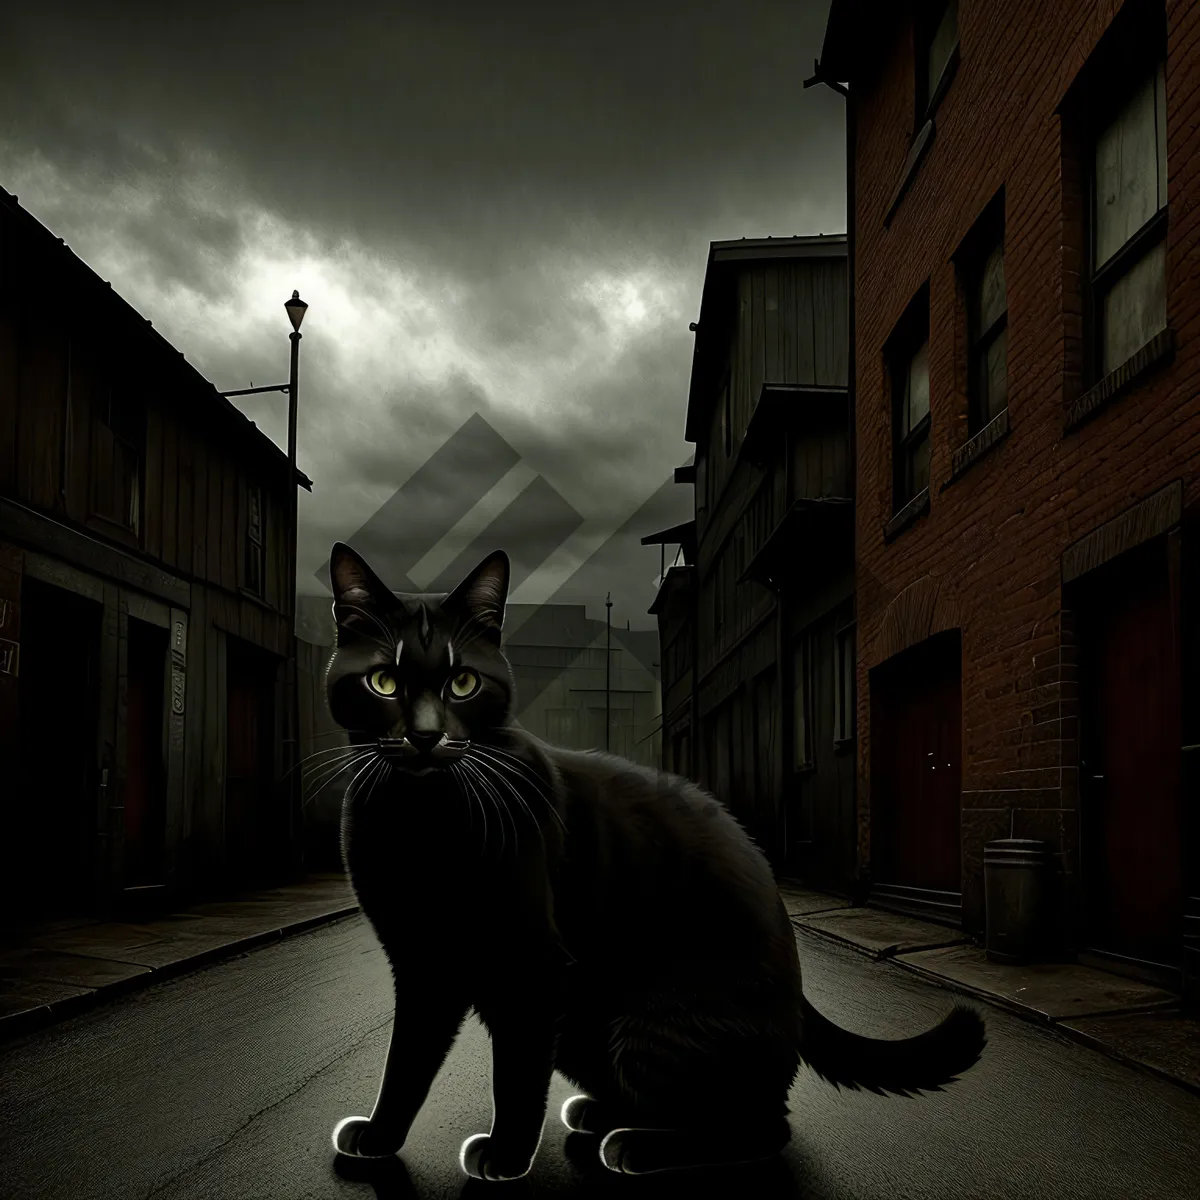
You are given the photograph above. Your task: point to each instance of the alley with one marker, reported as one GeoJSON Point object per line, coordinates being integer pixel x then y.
{"type": "Point", "coordinates": [226, 1083]}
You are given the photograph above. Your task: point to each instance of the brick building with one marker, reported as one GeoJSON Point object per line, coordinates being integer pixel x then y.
{"type": "Point", "coordinates": [1023, 220]}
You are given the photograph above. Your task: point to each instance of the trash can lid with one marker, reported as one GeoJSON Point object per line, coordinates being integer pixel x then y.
{"type": "Point", "coordinates": [1027, 844]}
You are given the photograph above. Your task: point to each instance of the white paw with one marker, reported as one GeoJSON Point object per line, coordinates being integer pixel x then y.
{"type": "Point", "coordinates": [480, 1159]}
{"type": "Point", "coordinates": [352, 1136]}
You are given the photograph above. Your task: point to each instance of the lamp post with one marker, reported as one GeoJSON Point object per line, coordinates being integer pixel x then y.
{"type": "Point", "coordinates": [296, 309]}
{"type": "Point", "coordinates": [607, 666]}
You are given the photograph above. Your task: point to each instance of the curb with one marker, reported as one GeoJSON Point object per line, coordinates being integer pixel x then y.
{"type": "Point", "coordinates": [1019, 1010]}
{"type": "Point", "coordinates": [59, 1010]}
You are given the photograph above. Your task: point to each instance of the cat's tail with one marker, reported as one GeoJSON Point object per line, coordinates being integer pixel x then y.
{"type": "Point", "coordinates": [921, 1063]}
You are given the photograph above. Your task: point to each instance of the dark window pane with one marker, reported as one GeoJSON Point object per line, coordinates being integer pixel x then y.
{"type": "Point", "coordinates": [1135, 309]}
{"type": "Point", "coordinates": [945, 38]}
{"type": "Point", "coordinates": [916, 391]}
{"type": "Point", "coordinates": [1130, 163]}
{"type": "Point", "coordinates": [991, 289]}
{"type": "Point", "coordinates": [994, 378]}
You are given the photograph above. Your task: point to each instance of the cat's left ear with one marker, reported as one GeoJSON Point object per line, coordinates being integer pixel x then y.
{"type": "Point", "coordinates": [357, 590]}
{"type": "Point", "coordinates": [483, 594]}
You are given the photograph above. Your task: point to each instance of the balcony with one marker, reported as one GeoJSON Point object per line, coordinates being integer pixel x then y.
{"type": "Point", "coordinates": [813, 536]}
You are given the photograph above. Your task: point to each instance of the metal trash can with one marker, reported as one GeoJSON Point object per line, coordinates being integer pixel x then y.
{"type": "Point", "coordinates": [1016, 876]}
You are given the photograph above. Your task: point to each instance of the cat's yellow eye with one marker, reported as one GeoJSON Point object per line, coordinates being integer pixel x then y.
{"type": "Point", "coordinates": [381, 683]}
{"type": "Point", "coordinates": [463, 684]}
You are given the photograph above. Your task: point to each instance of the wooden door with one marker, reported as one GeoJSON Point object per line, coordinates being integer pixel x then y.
{"type": "Point", "coordinates": [145, 761]}
{"type": "Point", "coordinates": [51, 843]}
{"type": "Point", "coordinates": [1132, 817]}
{"type": "Point", "coordinates": [255, 826]}
{"type": "Point", "coordinates": [916, 768]}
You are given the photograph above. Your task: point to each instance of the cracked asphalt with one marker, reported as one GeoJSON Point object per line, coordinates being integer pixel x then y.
{"type": "Point", "coordinates": [227, 1083]}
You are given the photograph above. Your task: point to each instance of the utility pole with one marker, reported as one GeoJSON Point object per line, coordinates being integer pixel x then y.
{"type": "Point", "coordinates": [607, 667]}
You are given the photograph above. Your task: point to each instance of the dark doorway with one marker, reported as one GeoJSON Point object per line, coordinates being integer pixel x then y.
{"type": "Point", "coordinates": [256, 827]}
{"type": "Point", "coordinates": [145, 758]}
{"type": "Point", "coordinates": [1131, 820]}
{"type": "Point", "coordinates": [51, 854]}
{"type": "Point", "coordinates": [916, 777]}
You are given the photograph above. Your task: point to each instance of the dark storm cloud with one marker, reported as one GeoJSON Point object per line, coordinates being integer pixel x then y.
{"type": "Point", "coordinates": [471, 133]}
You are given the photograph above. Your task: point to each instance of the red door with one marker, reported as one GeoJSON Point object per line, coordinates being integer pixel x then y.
{"type": "Point", "coordinates": [916, 769]}
{"type": "Point", "coordinates": [255, 819]}
{"type": "Point", "coordinates": [1132, 815]}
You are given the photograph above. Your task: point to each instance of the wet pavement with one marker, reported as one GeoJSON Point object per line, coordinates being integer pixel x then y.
{"type": "Point", "coordinates": [227, 1083]}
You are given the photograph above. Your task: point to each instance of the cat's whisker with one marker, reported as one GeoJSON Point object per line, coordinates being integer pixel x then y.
{"type": "Point", "coordinates": [525, 772]}
{"type": "Point", "coordinates": [350, 792]}
{"type": "Point", "coordinates": [383, 768]}
{"type": "Point", "coordinates": [317, 768]}
{"type": "Point", "coordinates": [490, 792]}
{"type": "Point", "coordinates": [518, 797]}
{"type": "Point", "coordinates": [464, 784]}
{"type": "Point", "coordinates": [327, 752]}
{"type": "Point", "coordinates": [337, 770]}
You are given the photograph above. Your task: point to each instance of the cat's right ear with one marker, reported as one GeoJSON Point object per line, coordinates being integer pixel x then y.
{"type": "Point", "coordinates": [357, 591]}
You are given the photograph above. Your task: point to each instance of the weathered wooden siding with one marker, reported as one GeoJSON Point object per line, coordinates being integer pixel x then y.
{"type": "Point", "coordinates": [53, 383]}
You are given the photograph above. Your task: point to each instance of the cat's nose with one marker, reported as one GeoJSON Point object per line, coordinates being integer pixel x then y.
{"type": "Point", "coordinates": [423, 741]}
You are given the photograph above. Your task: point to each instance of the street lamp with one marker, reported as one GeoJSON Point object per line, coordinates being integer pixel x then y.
{"type": "Point", "coordinates": [296, 309]}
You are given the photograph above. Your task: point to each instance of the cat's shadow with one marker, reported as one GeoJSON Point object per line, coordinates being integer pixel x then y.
{"type": "Point", "coordinates": [389, 1177]}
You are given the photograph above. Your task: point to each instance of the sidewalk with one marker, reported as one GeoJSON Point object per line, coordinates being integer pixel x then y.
{"type": "Point", "coordinates": [59, 968]}
{"type": "Point", "coordinates": [1127, 1020]}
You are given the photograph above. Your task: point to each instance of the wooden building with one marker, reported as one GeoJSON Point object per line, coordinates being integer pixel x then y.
{"type": "Point", "coordinates": [146, 649]}
{"type": "Point", "coordinates": [765, 651]}
{"type": "Point", "coordinates": [1024, 213]}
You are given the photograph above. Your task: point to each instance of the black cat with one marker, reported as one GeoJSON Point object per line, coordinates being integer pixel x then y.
{"type": "Point", "coordinates": [605, 919]}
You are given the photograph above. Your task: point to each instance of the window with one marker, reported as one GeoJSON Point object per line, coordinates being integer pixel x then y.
{"type": "Point", "coordinates": [1128, 300]}
{"type": "Point", "coordinates": [987, 326]}
{"type": "Point", "coordinates": [908, 352]}
{"type": "Point", "coordinates": [801, 748]}
{"type": "Point", "coordinates": [701, 482]}
{"type": "Point", "coordinates": [843, 703]}
{"type": "Point", "coordinates": [255, 540]}
{"type": "Point", "coordinates": [119, 439]}
{"type": "Point", "coordinates": [936, 35]}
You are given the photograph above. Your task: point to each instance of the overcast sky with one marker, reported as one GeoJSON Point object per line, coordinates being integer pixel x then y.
{"type": "Point", "coordinates": [493, 210]}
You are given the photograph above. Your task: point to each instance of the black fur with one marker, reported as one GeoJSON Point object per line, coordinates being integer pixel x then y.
{"type": "Point", "coordinates": [605, 919]}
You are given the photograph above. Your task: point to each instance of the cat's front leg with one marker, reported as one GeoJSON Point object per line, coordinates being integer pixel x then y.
{"type": "Point", "coordinates": [426, 1022]}
{"type": "Point", "coordinates": [523, 1030]}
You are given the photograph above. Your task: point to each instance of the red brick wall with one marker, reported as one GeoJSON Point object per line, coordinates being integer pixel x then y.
{"type": "Point", "coordinates": [992, 539]}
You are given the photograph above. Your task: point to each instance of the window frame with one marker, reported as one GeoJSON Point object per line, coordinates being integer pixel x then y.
{"type": "Point", "coordinates": [988, 234]}
{"type": "Point", "coordinates": [926, 99]}
{"type": "Point", "coordinates": [128, 431]}
{"type": "Point", "coordinates": [255, 549]}
{"type": "Point", "coordinates": [910, 335]}
{"type": "Point", "coordinates": [1101, 278]}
